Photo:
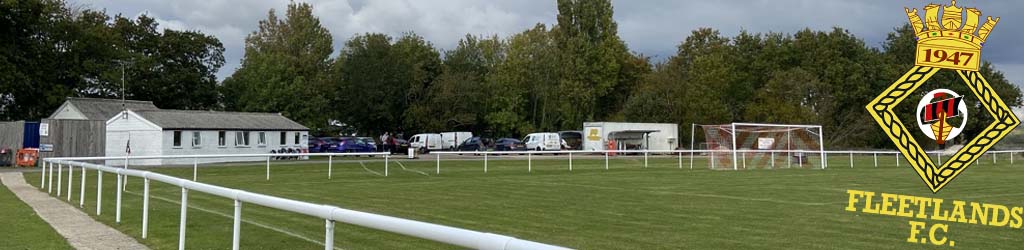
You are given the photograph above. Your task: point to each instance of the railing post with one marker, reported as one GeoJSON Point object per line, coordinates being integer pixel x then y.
{"type": "Point", "coordinates": [329, 235]}
{"type": "Point", "coordinates": [49, 181]}
{"type": "Point", "coordinates": [330, 166]}
{"type": "Point", "coordinates": [606, 160]}
{"type": "Point", "coordinates": [485, 162]}
{"type": "Point", "coordinates": [851, 159]}
{"type": "Point", "coordinates": [645, 158]}
{"type": "Point", "coordinates": [993, 159]}
{"type": "Point", "coordinates": [117, 209]}
{"type": "Point", "coordinates": [60, 171]}
{"type": "Point", "coordinates": [897, 159]}
{"type": "Point", "coordinates": [195, 168]}
{"type": "Point", "coordinates": [184, 212]}
{"type": "Point", "coordinates": [385, 165]}
{"type": "Point", "coordinates": [99, 191]}
{"type": "Point", "coordinates": [81, 190]}
{"type": "Point", "coordinates": [236, 231]}
{"type": "Point", "coordinates": [145, 206]}
{"type": "Point", "coordinates": [875, 155]}
{"type": "Point", "coordinates": [570, 161]}
{"type": "Point", "coordinates": [940, 158]}
{"type": "Point", "coordinates": [1011, 159]}
{"type": "Point", "coordinates": [268, 168]}
{"type": "Point", "coordinates": [42, 177]}
{"type": "Point", "coordinates": [529, 162]}
{"type": "Point", "coordinates": [71, 177]}
{"type": "Point", "coordinates": [438, 163]}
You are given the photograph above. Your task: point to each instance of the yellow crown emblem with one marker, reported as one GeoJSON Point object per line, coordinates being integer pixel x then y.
{"type": "Point", "coordinates": [950, 42]}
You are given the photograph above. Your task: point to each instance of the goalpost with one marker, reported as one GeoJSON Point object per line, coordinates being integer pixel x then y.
{"type": "Point", "coordinates": [758, 145]}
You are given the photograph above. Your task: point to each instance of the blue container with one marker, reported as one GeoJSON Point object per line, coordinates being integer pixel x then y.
{"type": "Point", "coordinates": [31, 139]}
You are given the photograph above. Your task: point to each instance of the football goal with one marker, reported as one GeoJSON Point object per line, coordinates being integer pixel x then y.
{"type": "Point", "coordinates": [753, 145]}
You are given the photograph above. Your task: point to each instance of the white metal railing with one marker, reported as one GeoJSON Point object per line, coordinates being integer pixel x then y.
{"type": "Point", "coordinates": [692, 155]}
{"type": "Point", "coordinates": [330, 214]}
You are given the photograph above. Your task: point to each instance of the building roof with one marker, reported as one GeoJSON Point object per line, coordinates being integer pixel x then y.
{"type": "Point", "coordinates": [103, 109]}
{"type": "Point", "coordinates": [170, 119]}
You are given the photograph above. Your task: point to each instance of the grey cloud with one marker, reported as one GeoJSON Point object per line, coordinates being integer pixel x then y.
{"type": "Point", "coordinates": [651, 27]}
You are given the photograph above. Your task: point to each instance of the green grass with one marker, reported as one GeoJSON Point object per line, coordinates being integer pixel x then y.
{"type": "Point", "coordinates": [626, 207]}
{"type": "Point", "coordinates": [22, 228]}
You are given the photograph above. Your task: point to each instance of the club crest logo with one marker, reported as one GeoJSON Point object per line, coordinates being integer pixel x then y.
{"type": "Point", "coordinates": [950, 38]}
{"type": "Point", "coordinates": [942, 115]}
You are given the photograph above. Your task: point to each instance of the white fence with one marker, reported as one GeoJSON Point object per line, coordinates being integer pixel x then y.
{"type": "Point", "coordinates": [330, 214]}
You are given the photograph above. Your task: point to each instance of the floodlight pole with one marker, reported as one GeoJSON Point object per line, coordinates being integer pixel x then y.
{"type": "Point", "coordinates": [734, 154]}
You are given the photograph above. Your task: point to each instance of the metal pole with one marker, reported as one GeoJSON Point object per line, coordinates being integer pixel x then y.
{"type": "Point", "coordinates": [485, 162]}
{"type": "Point", "coordinates": [329, 235]}
{"type": "Point", "coordinates": [99, 191]}
{"type": "Point", "coordinates": [268, 168]}
{"type": "Point", "coordinates": [125, 177]}
{"type": "Point", "coordinates": [940, 157]}
{"type": "Point", "coordinates": [875, 155]}
{"type": "Point", "coordinates": [821, 146]}
{"type": "Point", "coordinates": [145, 206]}
{"type": "Point", "coordinates": [897, 159]}
{"type": "Point", "coordinates": [606, 160]}
{"type": "Point", "coordinates": [195, 168]}
{"type": "Point", "coordinates": [330, 166]}
{"type": "Point", "coordinates": [680, 159]}
{"type": "Point", "coordinates": [773, 159]}
{"type": "Point", "coordinates": [851, 159]}
{"type": "Point", "coordinates": [570, 161]}
{"type": "Point", "coordinates": [117, 209]}
{"type": "Point", "coordinates": [42, 177]}
{"type": "Point", "coordinates": [184, 212]}
{"type": "Point", "coordinates": [529, 162]}
{"type": "Point", "coordinates": [385, 165]}
{"type": "Point", "coordinates": [236, 234]}
{"type": "Point", "coordinates": [71, 177]}
{"type": "Point", "coordinates": [81, 190]}
{"type": "Point", "coordinates": [645, 158]}
{"type": "Point", "coordinates": [693, 127]}
{"type": "Point", "coordinates": [49, 182]}
{"type": "Point", "coordinates": [60, 174]}
{"type": "Point", "coordinates": [734, 153]}
{"type": "Point", "coordinates": [438, 163]}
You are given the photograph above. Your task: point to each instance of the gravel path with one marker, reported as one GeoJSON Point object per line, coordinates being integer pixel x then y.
{"type": "Point", "coordinates": [81, 230]}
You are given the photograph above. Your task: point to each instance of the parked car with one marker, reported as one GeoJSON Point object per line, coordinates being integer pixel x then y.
{"type": "Point", "coordinates": [401, 146]}
{"type": "Point", "coordinates": [509, 144]}
{"type": "Point", "coordinates": [371, 141]}
{"type": "Point", "coordinates": [543, 141]}
{"type": "Point", "coordinates": [476, 144]}
{"type": "Point", "coordinates": [322, 144]}
{"type": "Point", "coordinates": [425, 142]}
{"type": "Point", "coordinates": [355, 145]}
{"type": "Point", "coordinates": [451, 140]}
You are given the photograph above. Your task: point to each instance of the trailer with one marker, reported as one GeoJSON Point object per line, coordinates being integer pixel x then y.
{"type": "Point", "coordinates": [630, 136]}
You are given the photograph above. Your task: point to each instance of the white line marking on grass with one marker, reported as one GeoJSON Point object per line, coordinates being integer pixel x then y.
{"type": "Point", "coordinates": [412, 170]}
{"type": "Point", "coordinates": [692, 194]}
{"type": "Point", "coordinates": [367, 169]}
{"type": "Point", "coordinates": [279, 230]}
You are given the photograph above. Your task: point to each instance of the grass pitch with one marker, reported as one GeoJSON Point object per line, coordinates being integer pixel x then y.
{"type": "Point", "coordinates": [625, 207]}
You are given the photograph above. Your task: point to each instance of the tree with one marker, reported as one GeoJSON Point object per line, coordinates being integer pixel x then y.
{"type": "Point", "coordinates": [591, 54]}
{"type": "Point", "coordinates": [525, 85]}
{"type": "Point", "coordinates": [285, 69]}
{"type": "Point", "coordinates": [380, 80]}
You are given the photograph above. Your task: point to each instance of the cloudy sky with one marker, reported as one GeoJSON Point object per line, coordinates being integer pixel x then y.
{"type": "Point", "coordinates": [652, 27]}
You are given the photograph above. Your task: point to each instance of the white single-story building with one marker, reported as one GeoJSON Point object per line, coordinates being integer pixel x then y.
{"type": "Point", "coordinates": [188, 132]}
{"type": "Point", "coordinates": [630, 136]}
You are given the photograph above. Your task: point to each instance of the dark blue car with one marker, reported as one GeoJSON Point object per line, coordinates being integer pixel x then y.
{"type": "Point", "coordinates": [354, 145]}
{"type": "Point", "coordinates": [322, 145]}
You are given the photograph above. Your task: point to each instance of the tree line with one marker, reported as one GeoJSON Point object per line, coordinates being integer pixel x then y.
{"type": "Point", "coordinates": [541, 79]}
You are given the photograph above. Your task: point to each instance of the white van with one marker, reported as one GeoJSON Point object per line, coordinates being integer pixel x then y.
{"type": "Point", "coordinates": [450, 140]}
{"type": "Point", "coordinates": [425, 142]}
{"type": "Point", "coordinates": [543, 141]}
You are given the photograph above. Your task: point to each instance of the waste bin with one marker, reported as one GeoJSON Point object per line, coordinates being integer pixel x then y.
{"type": "Point", "coordinates": [411, 153]}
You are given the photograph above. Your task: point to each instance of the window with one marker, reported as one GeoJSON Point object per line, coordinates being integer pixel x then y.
{"type": "Point", "coordinates": [241, 138]}
{"type": "Point", "coordinates": [296, 138]}
{"type": "Point", "coordinates": [222, 138]}
{"type": "Point", "coordinates": [197, 139]}
{"type": "Point", "coordinates": [284, 138]}
{"type": "Point", "coordinates": [177, 138]}
{"type": "Point", "coordinates": [262, 139]}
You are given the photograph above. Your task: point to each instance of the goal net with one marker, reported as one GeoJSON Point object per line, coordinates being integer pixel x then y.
{"type": "Point", "coordinates": [748, 145]}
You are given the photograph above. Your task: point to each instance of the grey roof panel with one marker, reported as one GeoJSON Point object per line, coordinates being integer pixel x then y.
{"type": "Point", "coordinates": [104, 109]}
{"type": "Point", "coordinates": [170, 119]}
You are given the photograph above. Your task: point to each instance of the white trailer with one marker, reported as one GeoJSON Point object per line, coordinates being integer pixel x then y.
{"type": "Point", "coordinates": [630, 136]}
{"type": "Point", "coordinates": [450, 140]}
